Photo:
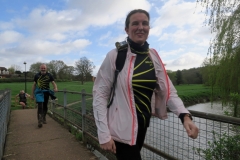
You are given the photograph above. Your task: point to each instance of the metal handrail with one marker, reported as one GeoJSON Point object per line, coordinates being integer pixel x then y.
{"type": "Point", "coordinates": [88, 125]}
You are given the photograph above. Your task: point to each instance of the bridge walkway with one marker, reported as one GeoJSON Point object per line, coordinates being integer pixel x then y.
{"type": "Point", "coordinates": [25, 141]}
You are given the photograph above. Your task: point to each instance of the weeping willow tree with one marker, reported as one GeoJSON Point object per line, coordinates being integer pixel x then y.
{"type": "Point", "coordinates": [223, 16]}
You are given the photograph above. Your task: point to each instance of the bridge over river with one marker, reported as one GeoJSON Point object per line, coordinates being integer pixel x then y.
{"type": "Point", "coordinates": [73, 110]}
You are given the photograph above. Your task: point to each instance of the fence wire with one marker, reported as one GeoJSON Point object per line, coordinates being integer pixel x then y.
{"type": "Point", "coordinates": [165, 139]}
{"type": "Point", "coordinates": [5, 105]}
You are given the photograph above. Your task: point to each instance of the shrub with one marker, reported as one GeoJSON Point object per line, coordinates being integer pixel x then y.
{"type": "Point", "coordinates": [224, 148]}
{"type": "Point", "coordinates": [79, 136]}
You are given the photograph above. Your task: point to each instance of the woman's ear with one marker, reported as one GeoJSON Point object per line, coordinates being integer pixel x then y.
{"type": "Point", "coordinates": [126, 30]}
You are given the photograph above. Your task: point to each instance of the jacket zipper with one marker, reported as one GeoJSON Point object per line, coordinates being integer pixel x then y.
{"type": "Point", "coordinates": [165, 72]}
{"type": "Point", "coordinates": [130, 97]}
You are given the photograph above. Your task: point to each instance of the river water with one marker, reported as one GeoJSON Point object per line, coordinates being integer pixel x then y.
{"type": "Point", "coordinates": [171, 138]}
{"type": "Point", "coordinates": [214, 108]}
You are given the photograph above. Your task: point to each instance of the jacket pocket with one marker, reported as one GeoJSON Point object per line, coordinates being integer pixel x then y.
{"type": "Point", "coordinates": [121, 126]}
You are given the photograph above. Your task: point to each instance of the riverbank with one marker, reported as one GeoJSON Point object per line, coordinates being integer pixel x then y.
{"type": "Point", "coordinates": [194, 93]}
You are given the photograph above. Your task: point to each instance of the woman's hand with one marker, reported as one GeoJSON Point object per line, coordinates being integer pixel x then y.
{"type": "Point", "coordinates": [109, 146]}
{"type": "Point", "coordinates": [191, 128]}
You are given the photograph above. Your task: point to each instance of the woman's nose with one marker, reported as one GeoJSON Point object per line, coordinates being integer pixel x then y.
{"type": "Point", "coordinates": [140, 26]}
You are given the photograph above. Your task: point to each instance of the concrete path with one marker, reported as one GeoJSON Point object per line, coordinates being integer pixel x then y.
{"type": "Point", "coordinates": [25, 141]}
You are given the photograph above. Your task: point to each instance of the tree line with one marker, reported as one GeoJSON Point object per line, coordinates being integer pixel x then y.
{"type": "Point", "coordinates": [82, 71]}
{"type": "Point", "coordinates": [186, 76]}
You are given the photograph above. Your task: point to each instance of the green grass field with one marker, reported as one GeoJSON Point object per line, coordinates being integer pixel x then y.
{"type": "Point", "coordinates": [190, 94]}
{"type": "Point", "coordinates": [69, 86]}
{"type": "Point", "coordinates": [194, 93]}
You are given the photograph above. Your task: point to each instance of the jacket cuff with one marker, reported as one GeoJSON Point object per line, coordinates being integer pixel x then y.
{"type": "Point", "coordinates": [181, 116]}
{"type": "Point", "coordinates": [103, 138]}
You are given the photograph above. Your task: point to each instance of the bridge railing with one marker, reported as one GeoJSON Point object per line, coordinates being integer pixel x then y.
{"type": "Point", "coordinates": [5, 105]}
{"type": "Point", "coordinates": [165, 139]}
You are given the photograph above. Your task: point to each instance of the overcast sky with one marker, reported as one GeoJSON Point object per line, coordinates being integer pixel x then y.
{"type": "Point", "coordinates": [43, 30]}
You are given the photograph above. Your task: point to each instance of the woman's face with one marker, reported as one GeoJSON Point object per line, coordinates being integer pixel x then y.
{"type": "Point", "coordinates": [138, 28]}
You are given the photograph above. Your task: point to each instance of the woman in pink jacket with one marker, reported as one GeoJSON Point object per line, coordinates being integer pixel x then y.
{"type": "Point", "coordinates": [142, 89]}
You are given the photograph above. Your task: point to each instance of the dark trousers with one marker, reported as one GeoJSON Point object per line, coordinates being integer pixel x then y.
{"type": "Point", "coordinates": [25, 102]}
{"type": "Point", "coordinates": [43, 106]}
{"type": "Point", "coordinates": [127, 152]}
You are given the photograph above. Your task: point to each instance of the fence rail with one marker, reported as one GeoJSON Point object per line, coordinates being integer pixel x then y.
{"type": "Point", "coordinates": [5, 105]}
{"type": "Point", "coordinates": [165, 139]}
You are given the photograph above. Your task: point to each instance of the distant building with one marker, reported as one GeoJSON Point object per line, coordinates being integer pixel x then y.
{"type": "Point", "coordinates": [3, 69]}
{"type": "Point", "coordinates": [4, 72]}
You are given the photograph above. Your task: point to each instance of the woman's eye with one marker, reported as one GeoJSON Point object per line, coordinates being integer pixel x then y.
{"type": "Point", "coordinates": [145, 23]}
